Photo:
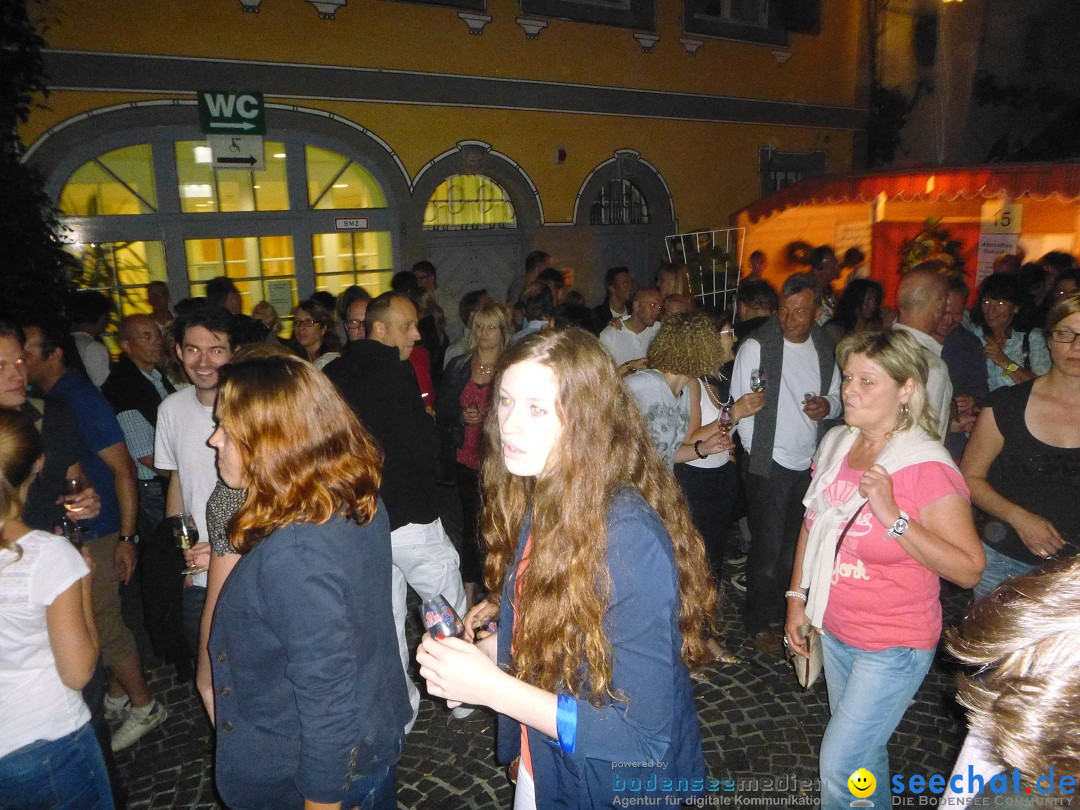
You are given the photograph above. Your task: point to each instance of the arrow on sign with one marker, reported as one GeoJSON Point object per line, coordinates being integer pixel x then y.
{"type": "Point", "coordinates": [249, 160]}
{"type": "Point", "coordinates": [230, 125]}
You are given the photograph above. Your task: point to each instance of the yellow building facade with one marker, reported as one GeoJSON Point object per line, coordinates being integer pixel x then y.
{"type": "Point", "coordinates": [467, 132]}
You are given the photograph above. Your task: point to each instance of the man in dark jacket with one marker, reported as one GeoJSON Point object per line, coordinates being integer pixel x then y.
{"type": "Point", "coordinates": [380, 386]}
{"type": "Point", "coordinates": [135, 389]}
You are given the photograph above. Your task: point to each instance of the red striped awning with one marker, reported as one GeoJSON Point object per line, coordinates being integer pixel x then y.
{"type": "Point", "coordinates": [1037, 180]}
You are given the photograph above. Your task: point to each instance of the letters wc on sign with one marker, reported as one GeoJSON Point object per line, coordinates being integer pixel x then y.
{"type": "Point", "coordinates": [234, 123]}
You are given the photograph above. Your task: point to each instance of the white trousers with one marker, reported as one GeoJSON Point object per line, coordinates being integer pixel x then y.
{"type": "Point", "coordinates": [424, 558]}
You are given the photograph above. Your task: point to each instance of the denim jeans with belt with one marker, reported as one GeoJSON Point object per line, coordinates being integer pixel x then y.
{"type": "Point", "coordinates": [64, 774]}
{"type": "Point", "coordinates": [999, 568]}
{"type": "Point", "coordinates": [869, 691]}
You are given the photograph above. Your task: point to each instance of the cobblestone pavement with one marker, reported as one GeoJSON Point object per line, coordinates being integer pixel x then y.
{"type": "Point", "coordinates": [756, 725]}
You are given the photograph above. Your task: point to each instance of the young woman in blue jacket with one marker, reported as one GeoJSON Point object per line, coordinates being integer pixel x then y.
{"type": "Point", "coordinates": [604, 594]}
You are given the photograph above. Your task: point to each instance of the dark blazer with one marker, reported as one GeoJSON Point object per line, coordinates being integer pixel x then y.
{"type": "Point", "coordinates": [381, 389]}
{"type": "Point", "coordinates": [448, 399]}
{"type": "Point", "coordinates": [309, 689]}
{"type": "Point", "coordinates": [658, 722]}
{"type": "Point", "coordinates": [127, 389]}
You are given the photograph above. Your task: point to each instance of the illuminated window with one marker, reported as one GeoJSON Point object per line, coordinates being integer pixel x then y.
{"type": "Point", "coordinates": [469, 201]}
{"type": "Point", "coordinates": [204, 190]}
{"type": "Point", "coordinates": [117, 182]}
{"type": "Point", "coordinates": [619, 202]}
{"type": "Point", "coordinates": [344, 259]}
{"type": "Point", "coordinates": [334, 181]}
{"type": "Point", "coordinates": [262, 267]}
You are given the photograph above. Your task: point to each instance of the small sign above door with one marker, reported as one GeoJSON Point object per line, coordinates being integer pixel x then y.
{"type": "Point", "coordinates": [350, 223]}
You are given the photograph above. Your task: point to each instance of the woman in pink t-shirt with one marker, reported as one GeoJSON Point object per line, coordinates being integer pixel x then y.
{"type": "Point", "coordinates": [888, 513]}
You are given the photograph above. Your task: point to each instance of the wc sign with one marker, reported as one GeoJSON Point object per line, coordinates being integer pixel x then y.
{"type": "Point", "coordinates": [238, 113]}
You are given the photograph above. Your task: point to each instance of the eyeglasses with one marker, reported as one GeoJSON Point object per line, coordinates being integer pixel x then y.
{"type": "Point", "coordinates": [304, 322]}
{"type": "Point", "coordinates": [997, 302]}
{"type": "Point", "coordinates": [353, 323]}
{"type": "Point", "coordinates": [1063, 335]}
{"type": "Point", "coordinates": [728, 331]}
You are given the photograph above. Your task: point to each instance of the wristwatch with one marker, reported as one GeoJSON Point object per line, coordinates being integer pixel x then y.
{"type": "Point", "coordinates": [899, 527]}
{"type": "Point", "coordinates": [1011, 369]}
{"type": "Point", "coordinates": [129, 538]}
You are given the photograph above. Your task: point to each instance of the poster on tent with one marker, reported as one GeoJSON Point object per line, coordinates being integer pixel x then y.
{"type": "Point", "coordinates": [999, 232]}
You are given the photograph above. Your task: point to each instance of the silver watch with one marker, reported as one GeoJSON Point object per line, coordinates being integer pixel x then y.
{"type": "Point", "coordinates": [899, 527]}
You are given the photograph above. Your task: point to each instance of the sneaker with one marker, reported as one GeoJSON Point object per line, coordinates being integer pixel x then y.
{"type": "Point", "coordinates": [461, 712]}
{"type": "Point", "coordinates": [738, 582]}
{"type": "Point", "coordinates": [136, 724]}
{"type": "Point", "coordinates": [117, 710]}
{"type": "Point", "coordinates": [737, 562]}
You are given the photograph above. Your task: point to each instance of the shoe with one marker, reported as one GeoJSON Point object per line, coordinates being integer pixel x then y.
{"type": "Point", "coordinates": [720, 654]}
{"type": "Point", "coordinates": [461, 712]}
{"type": "Point", "coordinates": [114, 713]}
{"type": "Point", "coordinates": [767, 642]}
{"type": "Point", "coordinates": [135, 725]}
{"type": "Point", "coordinates": [738, 582]}
{"type": "Point", "coordinates": [737, 562]}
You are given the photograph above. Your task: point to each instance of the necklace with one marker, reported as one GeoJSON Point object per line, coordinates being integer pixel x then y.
{"type": "Point", "coordinates": [482, 369]}
{"type": "Point", "coordinates": [708, 390]}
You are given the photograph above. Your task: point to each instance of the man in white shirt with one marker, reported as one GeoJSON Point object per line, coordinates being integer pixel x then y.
{"type": "Point", "coordinates": [184, 423]}
{"type": "Point", "coordinates": [629, 340]}
{"type": "Point", "coordinates": [802, 388]}
{"type": "Point", "coordinates": [921, 300]}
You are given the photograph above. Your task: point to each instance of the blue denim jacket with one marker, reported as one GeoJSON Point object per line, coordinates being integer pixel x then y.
{"type": "Point", "coordinates": [624, 749]}
{"type": "Point", "coordinates": [309, 689]}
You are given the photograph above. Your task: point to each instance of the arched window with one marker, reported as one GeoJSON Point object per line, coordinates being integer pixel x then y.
{"type": "Point", "coordinates": [619, 202]}
{"type": "Point", "coordinates": [469, 201]}
{"type": "Point", "coordinates": [125, 207]}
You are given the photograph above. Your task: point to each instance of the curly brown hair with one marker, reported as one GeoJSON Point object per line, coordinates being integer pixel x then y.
{"type": "Point", "coordinates": [687, 343]}
{"type": "Point", "coordinates": [560, 642]}
{"type": "Point", "coordinates": [306, 457]}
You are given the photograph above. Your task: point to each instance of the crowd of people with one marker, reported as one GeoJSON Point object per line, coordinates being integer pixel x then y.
{"type": "Point", "coordinates": [565, 478]}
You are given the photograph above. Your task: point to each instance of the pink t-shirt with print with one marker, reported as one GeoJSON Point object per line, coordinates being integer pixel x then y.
{"type": "Point", "coordinates": [880, 596]}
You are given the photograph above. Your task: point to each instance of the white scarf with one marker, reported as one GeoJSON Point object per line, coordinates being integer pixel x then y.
{"type": "Point", "coordinates": [904, 449]}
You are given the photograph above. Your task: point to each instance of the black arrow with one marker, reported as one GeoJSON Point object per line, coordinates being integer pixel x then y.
{"type": "Point", "coordinates": [249, 160]}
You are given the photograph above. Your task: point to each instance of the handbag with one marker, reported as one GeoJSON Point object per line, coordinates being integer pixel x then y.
{"type": "Point", "coordinates": [808, 670]}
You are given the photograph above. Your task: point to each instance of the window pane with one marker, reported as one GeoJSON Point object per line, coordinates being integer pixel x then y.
{"type": "Point", "coordinates": [344, 259]}
{"type": "Point", "coordinates": [118, 182]}
{"type": "Point", "coordinates": [469, 201]}
{"type": "Point", "coordinates": [619, 202]}
{"type": "Point", "coordinates": [253, 263]}
{"type": "Point", "coordinates": [196, 178]}
{"type": "Point", "coordinates": [203, 190]}
{"type": "Point", "coordinates": [335, 182]}
{"type": "Point", "coordinates": [121, 270]}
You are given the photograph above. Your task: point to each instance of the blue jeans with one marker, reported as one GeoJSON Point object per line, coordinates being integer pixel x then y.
{"type": "Point", "coordinates": [998, 569]}
{"type": "Point", "coordinates": [373, 791]}
{"type": "Point", "coordinates": [869, 691]}
{"type": "Point", "coordinates": [65, 774]}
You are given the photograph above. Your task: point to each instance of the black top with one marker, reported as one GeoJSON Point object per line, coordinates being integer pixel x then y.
{"type": "Point", "coordinates": [383, 392]}
{"type": "Point", "coordinates": [63, 447]}
{"type": "Point", "coordinates": [1039, 477]}
{"type": "Point", "coordinates": [746, 328]}
{"type": "Point", "coordinates": [127, 389]}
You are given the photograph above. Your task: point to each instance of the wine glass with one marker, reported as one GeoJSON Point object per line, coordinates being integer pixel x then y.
{"type": "Point", "coordinates": [69, 530]}
{"type": "Point", "coordinates": [757, 380]}
{"type": "Point", "coordinates": [440, 619]}
{"type": "Point", "coordinates": [186, 535]}
{"type": "Point", "coordinates": [725, 419]}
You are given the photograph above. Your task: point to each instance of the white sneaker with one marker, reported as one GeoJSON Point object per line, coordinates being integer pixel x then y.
{"type": "Point", "coordinates": [135, 725]}
{"type": "Point", "coordinates": [115, 711]}
{"type": "Point", "coordinates": [461, 712]}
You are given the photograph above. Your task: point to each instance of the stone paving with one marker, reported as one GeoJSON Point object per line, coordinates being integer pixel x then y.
{"type": "Point", "coordinates": [756, 724]}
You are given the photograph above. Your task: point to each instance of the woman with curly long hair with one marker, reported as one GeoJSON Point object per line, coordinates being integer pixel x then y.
{"type": "Point", "coordinates": [599, 581]}
{"type": "Point", "coordinates": [309, 692]}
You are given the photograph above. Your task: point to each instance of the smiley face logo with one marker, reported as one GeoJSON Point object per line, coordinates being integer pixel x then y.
{"type": "Point", "coordinates": [861, 783]}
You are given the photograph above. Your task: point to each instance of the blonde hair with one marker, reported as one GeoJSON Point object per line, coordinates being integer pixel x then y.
{"type": "Point", "coordinates": [20, 448]}
{"type": "Point", "coordinates": [1022, 638]}
{"type": "Point", "coordinates": [488, 312]}
{"type": "Point", "coordinates": [902, 358]}
{"type": "Point", "coordinates": [559, 635]}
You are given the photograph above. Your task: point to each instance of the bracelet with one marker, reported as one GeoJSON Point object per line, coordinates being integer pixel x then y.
{"type": "Point", "coordinates": [796, 594]}
{"type": "Point", "coordinates": [697, 452]}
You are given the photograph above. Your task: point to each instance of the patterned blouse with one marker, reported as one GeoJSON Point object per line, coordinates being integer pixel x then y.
{"type": "Point", "coordinates": [224, 502]}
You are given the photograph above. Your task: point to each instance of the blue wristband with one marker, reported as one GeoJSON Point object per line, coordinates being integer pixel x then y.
{"type": "Point", "coordinates": [566, 723]}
